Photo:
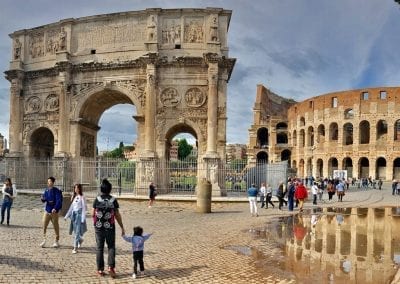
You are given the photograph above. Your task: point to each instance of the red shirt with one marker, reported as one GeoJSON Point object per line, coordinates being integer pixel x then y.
{"type": "Point", "coordinates": [301, 192]}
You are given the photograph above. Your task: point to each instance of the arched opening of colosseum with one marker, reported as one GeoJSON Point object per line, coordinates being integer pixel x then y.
{"type": "Point", "coordinates": [262, 137]}
{"type": "Point", "coordinates": [302, 121]}
{"type": "Point", "coordinates": [294, 138]}
{"type": "Point", "coordinates": [348, 113]}
{"type": "Point", "coordinates": [262, 157]}
{"type": "Point", "coordinates": [333, 132]}
{"type": "Point", "coordinates": [320, 168]}
{"type": "Point", "coordinates": [321, 133]}
{"type": "Point", "coordinates": [397, 130]}
{"type": "Point", "coordinates": [42, 144]}
{"type": "Point", "coordinates": [285, 156]}
{"type": "Point", "coordinates": [281, 138]}
{"type": "Point", "coordinates": [381, 168]}
{"type": "Point", "coordinates": [348, 134]}
{"type": "Point", "coordinates": [310, 136]}
{"type": "Point", "coordinates": [89, 117]}
{"type": "Point", "coordinates": [363, 167]}
{"type": "Point", "coordinates": [348, 165]}
{"type": "Point", "coordinates": [364, 132]}
{"type": "Point", "coordinates": [396, 169]}
{"type": "Point", "coordinates": [281, 126]}
{"type": "Point", "coordinates": [332, 165]}
{"type": "Point", "coordinates": [309, 167]}
{"type": "Point", "coordinates": [300, 171]}
{"type": "Point", "coordinates": [294, 164]}
{"type": "Point", "coordinates": [381, 131]}
{"type": "Point", "coordinates": [302, 138]}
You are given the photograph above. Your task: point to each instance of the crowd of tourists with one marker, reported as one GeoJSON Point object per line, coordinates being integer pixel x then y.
{"type": "Point", "coordinates": [296, 191]}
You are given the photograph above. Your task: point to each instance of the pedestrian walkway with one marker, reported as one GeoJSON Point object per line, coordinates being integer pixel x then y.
{"type": "Point", "coordinates": [186, 247]}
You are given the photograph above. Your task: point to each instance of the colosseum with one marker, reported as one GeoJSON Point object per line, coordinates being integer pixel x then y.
{"type": "Point", "coordinates": [354, 130]}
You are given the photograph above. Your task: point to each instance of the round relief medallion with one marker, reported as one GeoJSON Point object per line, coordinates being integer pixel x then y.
{"type": "Point", "coordinates": [194, 97]}
{"type": "Point", "coordinates": [170, 97]}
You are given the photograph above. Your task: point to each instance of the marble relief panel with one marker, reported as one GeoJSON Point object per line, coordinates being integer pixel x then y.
{"type": "Point", "coordinates": [194, 30]}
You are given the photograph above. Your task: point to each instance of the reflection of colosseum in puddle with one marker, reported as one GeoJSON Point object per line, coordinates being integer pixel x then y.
{"type": "Point", "coordinates": [345, 245]}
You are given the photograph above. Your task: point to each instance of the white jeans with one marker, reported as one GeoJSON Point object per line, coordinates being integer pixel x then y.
{"type": "Point", "coordinates": [253, 205]}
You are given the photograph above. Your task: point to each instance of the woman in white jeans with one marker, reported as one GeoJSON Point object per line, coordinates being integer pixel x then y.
{"type": "Point", "coordinates": [252, 193]}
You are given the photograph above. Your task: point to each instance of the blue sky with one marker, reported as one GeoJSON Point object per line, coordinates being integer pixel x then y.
{"type": "Point", "coordinates": [296, 48]}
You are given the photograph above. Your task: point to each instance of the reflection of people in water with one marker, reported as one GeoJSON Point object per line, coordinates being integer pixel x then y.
{"type": "Point", "coordinates": [299, 230]}
{"type": "Point", "coordinates": [339, 216]}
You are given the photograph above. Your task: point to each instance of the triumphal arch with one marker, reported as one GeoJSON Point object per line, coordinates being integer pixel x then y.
{"type": "Point", "coordinates": [171, 64]}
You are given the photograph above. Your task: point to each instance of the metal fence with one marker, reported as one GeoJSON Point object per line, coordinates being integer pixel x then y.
{"type": "Point", "coordinates": [172, 177]}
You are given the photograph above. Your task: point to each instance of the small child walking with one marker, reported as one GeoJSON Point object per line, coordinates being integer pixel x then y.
{"type": "Point", "coordinates": [137, 241]}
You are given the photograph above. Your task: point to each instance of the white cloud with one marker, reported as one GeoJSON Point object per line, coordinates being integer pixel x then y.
{"type": "Point", "coordinates": [298, 49]}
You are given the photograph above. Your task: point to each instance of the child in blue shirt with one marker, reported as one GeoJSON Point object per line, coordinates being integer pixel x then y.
{"type": "Point", "coordinates": [137, 241]}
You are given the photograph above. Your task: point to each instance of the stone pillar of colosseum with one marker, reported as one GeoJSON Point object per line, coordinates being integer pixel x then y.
{"type": "Point", "coordinates": [372, 167]}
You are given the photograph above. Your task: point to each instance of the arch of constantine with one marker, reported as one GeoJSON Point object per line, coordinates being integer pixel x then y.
{"type": "Point", "coordinates": [355, 130]}
{"type": "Point", "coordinates": [171, 64]}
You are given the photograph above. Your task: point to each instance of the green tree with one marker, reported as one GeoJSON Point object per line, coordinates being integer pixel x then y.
{"type": "Point", "coordinates": [184, 149]}
{"type": "Point", "coordinates": [117, 152]}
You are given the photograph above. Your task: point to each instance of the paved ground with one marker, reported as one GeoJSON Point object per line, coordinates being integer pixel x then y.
{"type": "Point", "coordinates": [186, 247]}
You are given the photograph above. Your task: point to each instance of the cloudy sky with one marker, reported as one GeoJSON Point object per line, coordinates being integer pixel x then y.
{"type": "Point", "coordinates": [296, 48]}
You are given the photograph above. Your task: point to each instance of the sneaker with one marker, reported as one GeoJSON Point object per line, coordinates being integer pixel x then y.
{"type": "Point", "coordinates": [42, 244]}
{"type": "Point", "coordinates": [74, 251]}
{"type": "Point", "coordinates": [100, 273]}
{"type": "Point", "coordinates": [80, 243]}
{"type": "Point", "coordinates": [111, 271]}
{"type": "Point", "coordinates": [142, 274]}
{"type": "Point", "coordinates": [56, 245]}
{"type": "Point", "coordinates": [134, 276]}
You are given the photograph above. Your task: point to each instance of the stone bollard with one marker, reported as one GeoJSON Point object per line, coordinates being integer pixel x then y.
{"type": "Point", "coordinates": [204, 196]}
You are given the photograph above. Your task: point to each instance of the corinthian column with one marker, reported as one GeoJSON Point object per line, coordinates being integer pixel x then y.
{"type": "Point", "coordinates": [16, 110]}
{"type": "Point", "coordinates": [63, 132]}
{"type": "Point", "coordinates": [212, 110]}
{"type": "Point", "coordinates": [150, 111]}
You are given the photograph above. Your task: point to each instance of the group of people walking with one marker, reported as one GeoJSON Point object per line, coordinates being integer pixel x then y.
{"type": "Point", "coordinates": [105, 213]}
{"type": "Point", "coordinates": [296, 193]}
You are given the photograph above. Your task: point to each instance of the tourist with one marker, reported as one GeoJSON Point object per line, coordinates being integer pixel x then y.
{"type": "Point", "coordinates": [301, 194]}
{"type": "Point", "coordinates": [105, 212]}
{"type": "Point", "coordinates": [137, 241]}
{"type": "Point", "coordinates": [268, 196]}
{"type": "Point", "coordinates": [320, 190]}
{"type": "Point", "coordinates": [252, 196]}
{"type": "Point", "coordinates": [380, 184]}
{"type": "Point", "coordinates": [394, 183]}
{"type": "Point", "coordinates": [53, 198]}
{"type": "Point", "coordinates": [9, 193]}
{"type": "Point", "coordinates": [340, 190]}
{"type": "Point", "coordinates": [77, 214]}
{"type": "Point", "coordinates": [331, 190]}
{"type": "Point", "coordinates": [152, 194]}
{"type": "Point", "coordinates": [398, 187]}
{"type": "Point", "coordinates": [314, 190]}
{"type": "Point", "coordinates": [281, 194]}
{"type": "Point", "coordinates": [263, 191]}
{"type": "Point", "coordinates": [291, 191]}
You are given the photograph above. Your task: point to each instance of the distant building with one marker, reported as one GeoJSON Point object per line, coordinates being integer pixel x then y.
{"type": "Point", "coordinates": [235, 152]}
{"type": "Point", "coordinates": [194, 152]}
{"type": "Point", "coordinates": [3, 145]}
{"type": "Point", "coordinates": [173, 151]}
{"type": "Point", "coordinates": [130, 152]}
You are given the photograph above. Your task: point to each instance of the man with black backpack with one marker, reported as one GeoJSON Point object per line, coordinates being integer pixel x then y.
{"type": "Point", "coordinates": [105, 212]}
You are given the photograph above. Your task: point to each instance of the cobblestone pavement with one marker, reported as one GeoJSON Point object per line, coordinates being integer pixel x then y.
{"type": "Point", "coordinates": [187, 247]}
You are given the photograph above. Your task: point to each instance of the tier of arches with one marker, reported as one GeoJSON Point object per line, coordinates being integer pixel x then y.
{"type": "Point", "coordinates": [311, 136]}
{"type": "Point", "coordinates": [263, 157]}
{"type": "Point", "coordinates": [363, 167]}
{"type": "Point", "coordinates": [264, 139]}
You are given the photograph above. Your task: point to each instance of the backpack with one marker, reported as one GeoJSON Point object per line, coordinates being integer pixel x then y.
{"type": "Point", "coordinates": [104, 216]}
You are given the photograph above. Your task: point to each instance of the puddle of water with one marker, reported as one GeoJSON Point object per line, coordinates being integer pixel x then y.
{"type": "Point", "coordinates": [330, 245]}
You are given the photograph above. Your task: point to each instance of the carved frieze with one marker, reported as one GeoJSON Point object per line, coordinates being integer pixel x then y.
{"type": "Point", "coordinates": [36, 45]}
{"type": "Point", "coordinates": [133, 87]}
{"type": "Point", "coordinates": [171, 31]}
{"type": "Point", "coordinates": [78, 89]}
{"type": "Point", "coordinates": [51, 103]}
{"type": "Point", "coordinates": [33, 105]}
{"type": "Point", "coordinates": [56, 40]}
{"type": "Point", "coordinates": [170, 97]}
{"type": "Point", "coordinates": [87, 145]}
{"type": "Point", "coordinates": [194, 32]}
{"type": "Point", "coordinates": [194, 97]}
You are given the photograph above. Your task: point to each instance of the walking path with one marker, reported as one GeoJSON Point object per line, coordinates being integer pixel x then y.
{"type": "Point", "coordinates": [187, 247]}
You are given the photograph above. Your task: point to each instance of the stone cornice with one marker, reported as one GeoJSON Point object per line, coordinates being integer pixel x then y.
{"type": "Point", "coordinates": [14, 74]}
